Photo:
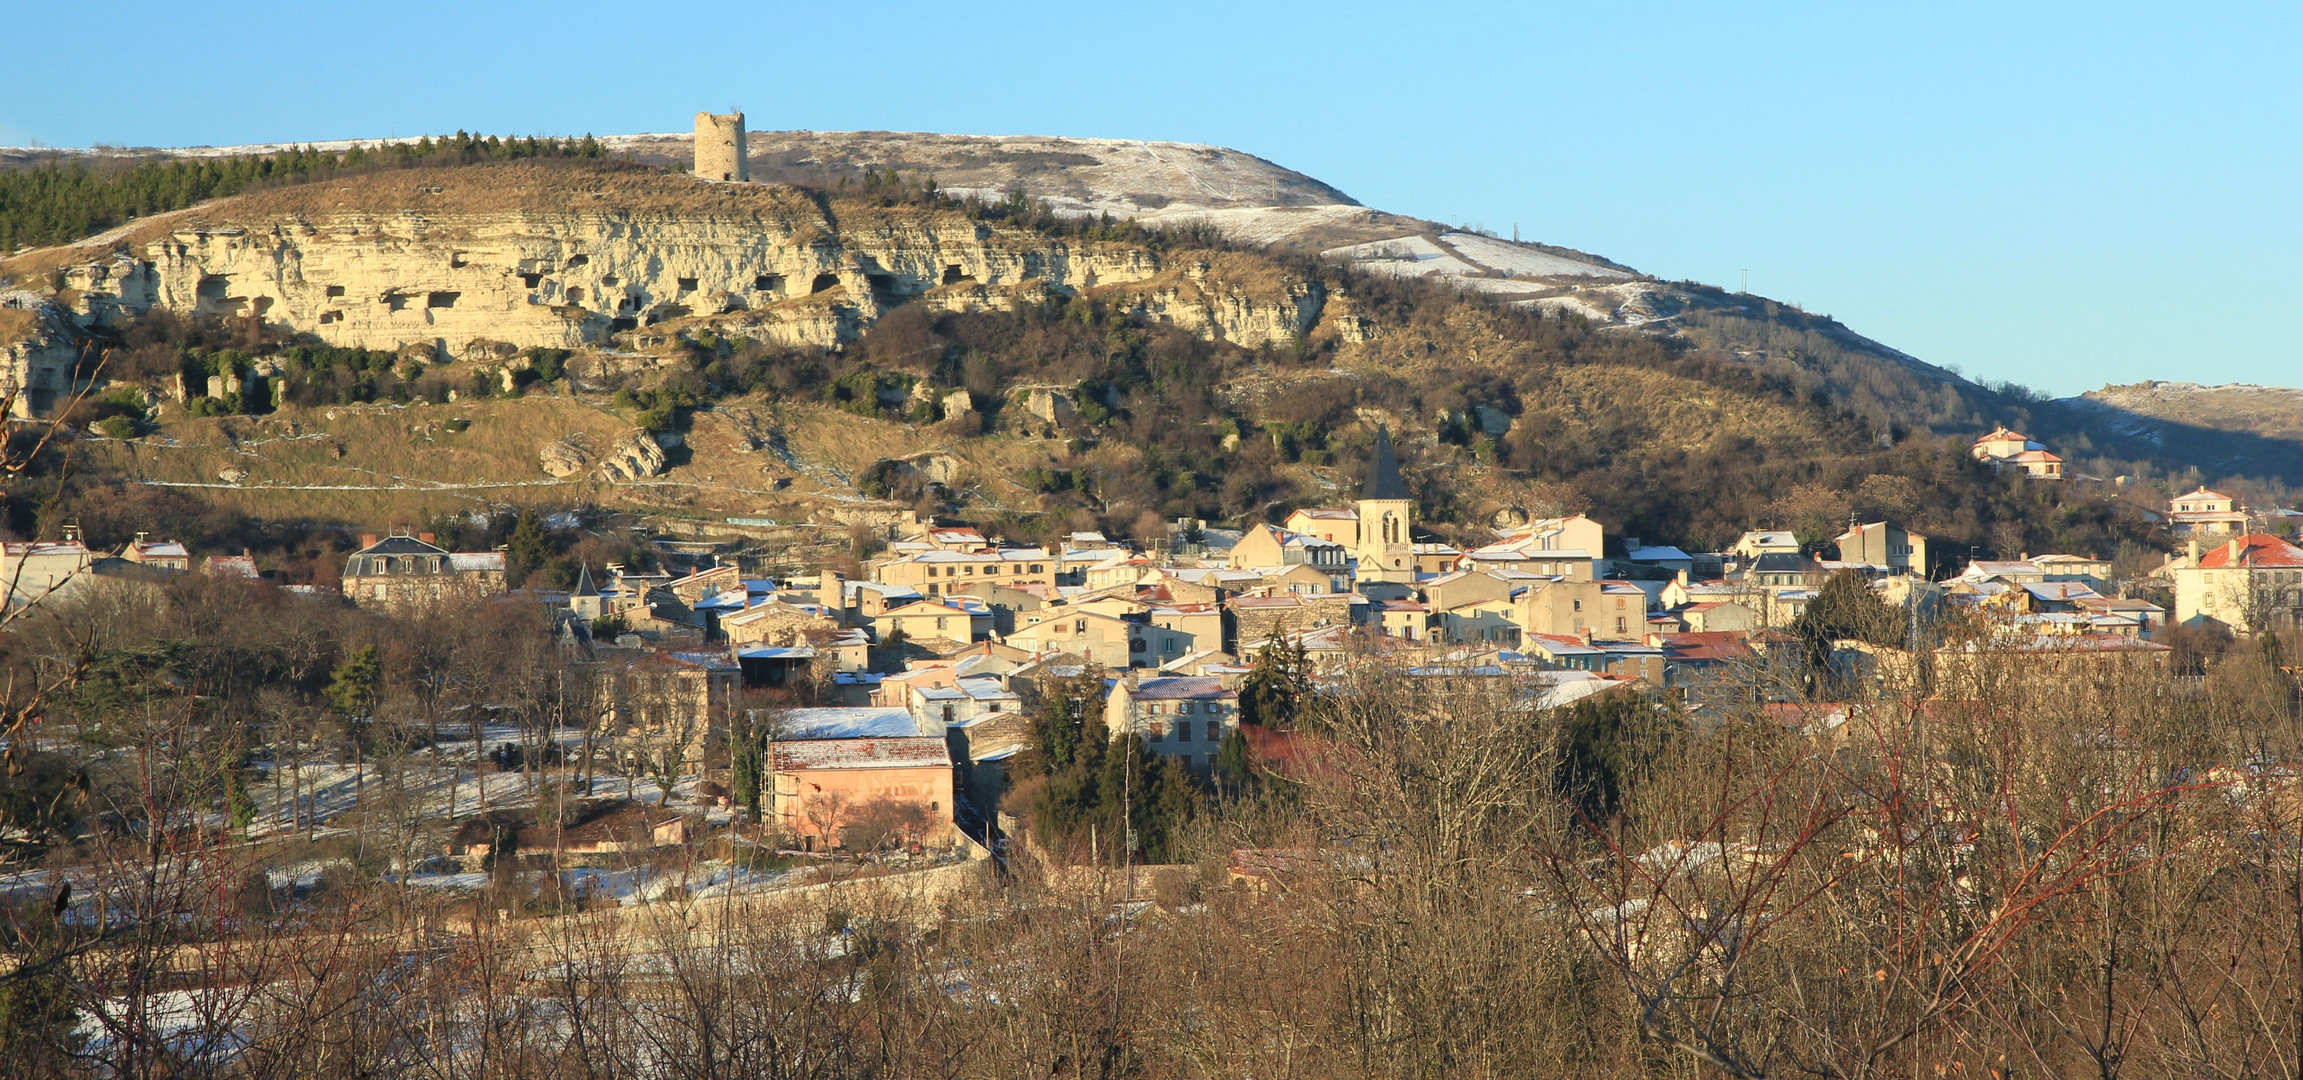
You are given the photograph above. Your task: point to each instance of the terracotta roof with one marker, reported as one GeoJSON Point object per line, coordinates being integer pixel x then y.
{"type": "Point", "coordinates": [1705, 647]}
{"type": "Point", "coordinates": [2255, 549]}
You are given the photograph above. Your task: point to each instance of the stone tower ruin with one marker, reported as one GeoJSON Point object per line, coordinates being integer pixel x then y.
{"type": "Point", "coordinates": [720, 151]}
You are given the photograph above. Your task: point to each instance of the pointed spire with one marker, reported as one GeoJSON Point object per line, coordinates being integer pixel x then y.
{"type": "Point", "coordinates": [584, 586]}
{"type": "Point", "coordinates": [1383, 480]}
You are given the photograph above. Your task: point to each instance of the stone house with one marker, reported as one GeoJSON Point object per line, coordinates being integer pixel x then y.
{"type": "Point", "coordinates": [402, 573]}
{"type": "Point", "coordinates": [1334, 524]}
{"type": "Point", "coordinates": [2205, 514]}
{"type": "Point", "coordinates": [940, 573]}
{"type": "Point", "coordinates": [826, 787]}
{"type": "Point", "coordinates": [1406, 619]}
{"type": "Point", "coordinates": [1717, 616]}
{"type": "Point", "coordinates": [1885, 545]}
{"type": "Point", "coordinates": [165, 554]}
{"type": "Point", "coordinates": [2248, 584]}
{"type": "Point", "coordinates": [35, 570]}
{"type": "Point", "coordinates": [962, 620]}
{"type": "Point", "coordinates": [1175, 716]}
{"type": "Point", "coordinates": [1089, 634]}
{"type": "Point", "coordinates": [776, 621]}
{"type": "Point", "coordinates": [1268, 547]}
{"type": "Point", "coordinates": [667, 712]}
{"type": "Point", "coordinates": [1255, 618]}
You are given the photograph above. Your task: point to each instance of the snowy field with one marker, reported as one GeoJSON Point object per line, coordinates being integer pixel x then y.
{"type": "Point", "coordinates": [1505, 257]}
{"type": "Point", "coordinates": [1469, 256]}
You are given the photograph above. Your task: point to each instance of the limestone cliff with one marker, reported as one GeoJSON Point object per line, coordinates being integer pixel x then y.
{"type": "Point", "coordinates": [40, 351]}
{"type": "Point", "coordinates": [570, 256]}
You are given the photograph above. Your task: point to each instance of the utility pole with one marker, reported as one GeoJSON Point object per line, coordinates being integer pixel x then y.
{"type": "Point", "coordinates": [1745, 288]}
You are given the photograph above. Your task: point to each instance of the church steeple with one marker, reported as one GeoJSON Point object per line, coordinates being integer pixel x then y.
{"type": "Point", "coordinates": [586, 602]}
{"type": "Point", "coordinates": [1383, 479]}
{"type": "Point", "coordinates": [1385, 552]}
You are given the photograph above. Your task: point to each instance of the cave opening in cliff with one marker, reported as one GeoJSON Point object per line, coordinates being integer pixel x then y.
{"type": "Point", "coordinates": [441, 299]}
{"type": "Point", "coordinates": [822, 282]}
{"type": "Point", "coordinates": [954, 274]}
{"type": "Point", "coordinates": [687, 284]}
{"type": "Point", "coordinates": [768, 283]}
{"type": "Point", "coordinates": [335, 291]}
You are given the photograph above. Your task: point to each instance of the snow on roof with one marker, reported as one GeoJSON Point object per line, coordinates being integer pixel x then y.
{"type": "Point", "coordinates": [1180, 687]}
{"type": "Point", "coordinates": [880, 752]}
{"type": "Point", "coordinates": [474, 561]}
{"type": "Point", "coordinates": [775, 652]}
{"type": "Point", "coordinates": [2060, 590]}
{"type": "Point", "coordinates": [855, 722]}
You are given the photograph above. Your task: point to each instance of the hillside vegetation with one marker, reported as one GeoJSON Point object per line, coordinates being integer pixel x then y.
{"type": "Point", "coordinates": [1689, 435]}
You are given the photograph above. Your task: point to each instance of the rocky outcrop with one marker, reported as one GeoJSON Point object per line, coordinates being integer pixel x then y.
{"type": "Point", "coordinates": [563, 458]}
{"type": "Point", "coordinates": [1248, 311]}
{"type": "Point", "coordinates": [462, 260]}
{"type": "Point", "coordinates": [40, 350]}
{"type": "Point", "coordinates": [636, 456]}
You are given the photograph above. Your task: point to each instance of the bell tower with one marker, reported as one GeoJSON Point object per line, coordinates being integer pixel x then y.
{"type": "Point", "coordinates": [1385, 550]}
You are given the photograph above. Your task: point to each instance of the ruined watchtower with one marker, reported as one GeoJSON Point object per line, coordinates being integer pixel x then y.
{"type": "Point", "coordinates": [720, 151]}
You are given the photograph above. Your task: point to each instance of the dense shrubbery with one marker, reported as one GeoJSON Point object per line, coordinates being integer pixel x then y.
{"type": "Point", "coordinates": [61, 200]}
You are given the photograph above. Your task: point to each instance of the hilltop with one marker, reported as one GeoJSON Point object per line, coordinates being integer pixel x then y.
{"type": "Point", "coordinates": [1222, 345]}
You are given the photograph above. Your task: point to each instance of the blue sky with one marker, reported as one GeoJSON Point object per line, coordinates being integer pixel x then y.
{"type": "Point", "coordinates": [2062, 195]}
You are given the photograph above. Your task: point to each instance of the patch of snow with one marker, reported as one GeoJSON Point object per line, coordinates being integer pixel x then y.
{"type": "Point", "coordinates": [1405, 256]}
{"type": "Point", "coordinates": [1573, 305]}
{"type": "Point", "coordinates": [1505, 257]}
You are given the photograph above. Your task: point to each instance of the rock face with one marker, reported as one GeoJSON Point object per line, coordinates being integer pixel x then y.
{"type": "Point", "coordinates": [40, 350]}
{"type": "Point", "coordinates": [463, 260]}
{"type": "Point", "coordinates": [563, 459]}
{"type": "Point", "coordinates": [636, 456]}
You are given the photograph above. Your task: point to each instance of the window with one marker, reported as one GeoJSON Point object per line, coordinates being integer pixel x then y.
{"type": "Point", "coordinates": [1038, 567]}
{"type": "Point", "coordinates": [1080, 626]}
{"type": "Point", "coordinates": [939, 622]}
{"type": "Point", "coordinates": [1183, 731]}
{"type": "Point", "coordinates": [1579, 605]}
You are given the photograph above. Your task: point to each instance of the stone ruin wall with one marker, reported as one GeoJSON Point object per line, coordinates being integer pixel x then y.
{"type": "Point", "coordinates": [720, 151]}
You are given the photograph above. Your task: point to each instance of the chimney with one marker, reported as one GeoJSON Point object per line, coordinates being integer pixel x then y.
{"type": "Point", "coordinates": [1586, 634]}
{"type": "Point", "coordinates": [367, 540]}
{"type": "Point", "coordinates": [2195, 551]}
{"type": "Point", "coordinates": [429, 538]}
{"type": "Point", "coordinates": [2233, 549]}
{"type": "Point", "coordinates": [1682, 577]}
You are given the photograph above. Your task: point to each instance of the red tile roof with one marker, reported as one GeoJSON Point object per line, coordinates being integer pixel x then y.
{"type": "Point", "coordinates": [2255, 549]}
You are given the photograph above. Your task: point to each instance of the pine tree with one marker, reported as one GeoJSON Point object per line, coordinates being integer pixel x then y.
{"type": "Point", "coordinates": [526, 550]}
{"type": "Point", "coordinates": [351, 692]}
